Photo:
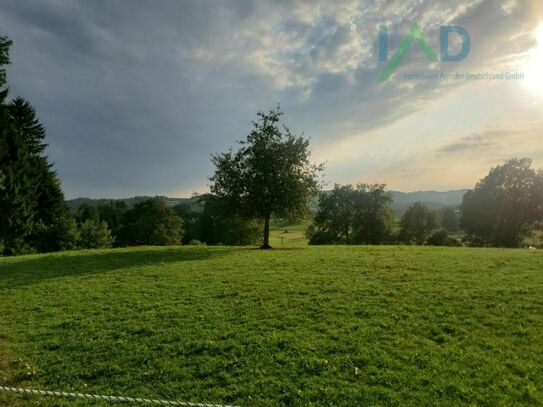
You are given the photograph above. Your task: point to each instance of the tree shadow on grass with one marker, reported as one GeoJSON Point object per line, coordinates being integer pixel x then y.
{"type": "Point", "coordinates": [16, 272]}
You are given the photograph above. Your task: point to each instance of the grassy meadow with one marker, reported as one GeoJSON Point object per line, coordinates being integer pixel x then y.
{"type": "Point", "coordinates": [298, 326]}
{"type": "Point", "coordinates": [288, 235]}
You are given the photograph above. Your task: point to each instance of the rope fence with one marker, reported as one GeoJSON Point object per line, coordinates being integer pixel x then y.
{"type": "Point", "coordinates": [98, 397]}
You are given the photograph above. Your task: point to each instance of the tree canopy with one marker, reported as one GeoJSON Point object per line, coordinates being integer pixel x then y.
{"type": "Point", "coordinates": [505, 206]}
{"type": "Point", "coordinates": [352, 215]}
{"type": "Point", "coordinates": [418, 224]}
{"type": "Point", "coordinates": [151, 222]}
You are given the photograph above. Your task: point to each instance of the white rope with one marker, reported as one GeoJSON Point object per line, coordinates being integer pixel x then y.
{"type": "Point", "coordinates": [106, 398]}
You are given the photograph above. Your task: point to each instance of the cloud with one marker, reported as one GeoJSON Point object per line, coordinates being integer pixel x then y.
{"type": "Point", "coordinates": [474, 142]}
{"type": "Point", "coordinates": [136, 95]}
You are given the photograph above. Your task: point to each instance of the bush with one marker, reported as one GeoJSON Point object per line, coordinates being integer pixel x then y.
{"type": "Point", "coordinates": [63, 234]}
{"type": "Point", "coordinates": [442, 238]}
{"type": "Point", "coordinates": [94, 235]}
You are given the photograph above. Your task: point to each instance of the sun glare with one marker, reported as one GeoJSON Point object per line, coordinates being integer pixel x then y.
{"type": "Point", "coordinates": [534, 65]}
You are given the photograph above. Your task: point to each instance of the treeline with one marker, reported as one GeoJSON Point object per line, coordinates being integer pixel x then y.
{"type": "Point", "coordinates": [503, 209]}
{"type": "Point", "coordinates": [206, 220]}
{"type": "Point", "coordinates": [363, 215]}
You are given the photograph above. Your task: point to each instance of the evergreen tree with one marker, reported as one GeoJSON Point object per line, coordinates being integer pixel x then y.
{"type": "Point", "coordinates": [30, 195]}
{"type": "Point", "coordinates": [5, 44]}
{"type": "Point", "coordinates": [18, 195]}
{"type": "Point", "coordinates": [28, 126]}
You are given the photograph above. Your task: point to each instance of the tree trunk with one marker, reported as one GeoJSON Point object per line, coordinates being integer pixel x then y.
{"type": "Point", "coordinates": [266, 241]}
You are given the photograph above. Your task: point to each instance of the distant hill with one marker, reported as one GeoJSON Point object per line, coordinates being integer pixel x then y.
{"type": "Point", "coordinates": [401, 200]}
{"type": "Point", "coordinates": [433, 199]}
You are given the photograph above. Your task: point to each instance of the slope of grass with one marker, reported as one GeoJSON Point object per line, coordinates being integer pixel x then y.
{"type": "Point", "coordinates": [320, 326]}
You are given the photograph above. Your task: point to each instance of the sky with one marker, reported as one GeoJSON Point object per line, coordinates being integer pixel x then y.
{"type": "Point", "coordinates": [136, 95]}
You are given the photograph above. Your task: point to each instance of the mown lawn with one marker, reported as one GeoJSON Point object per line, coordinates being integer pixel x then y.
{"type": "Point", "coordinates": [319, 326]}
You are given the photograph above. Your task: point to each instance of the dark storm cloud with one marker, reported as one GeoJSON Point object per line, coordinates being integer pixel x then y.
{"type": "Point", "coordinates": [136, 95]}
{"type": "Point", "coordinates": [112, 84]}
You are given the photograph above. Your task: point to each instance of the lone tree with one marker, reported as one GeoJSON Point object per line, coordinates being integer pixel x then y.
{"type": "Point", "coordinates": [270, 175]}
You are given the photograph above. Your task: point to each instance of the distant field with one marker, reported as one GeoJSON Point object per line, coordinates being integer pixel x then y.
{"type": "Point", "coordinates": [319, 326]}
{"type": "Point", "coordinates": [288, 236]}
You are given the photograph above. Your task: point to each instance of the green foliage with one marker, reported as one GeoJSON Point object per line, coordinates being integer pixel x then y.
{"type": "Point", "coordinates": [505, 206]}
{"type": "Point", "coordinates": [62, 234]}
{"type": "Point", "coordinates": [112, 213]}
{"type": "Point", "coordinates": [5, 44]}
{"type": "Point", "coordinates": [31, 199]}
{"type": "Point", "coordinates": [442, 238]}
{"type": "Point", "coordinates": [270, 175]}
{"type": "Point", "coordinates": [349, 215]}
{"type": "Point", "coordinates": [87, 212]}
{"type": "Point", "coordinates": [94, 235]}
{"type": "Point", "coordinates": [31, 193]}
{"type": "Point", "coordinates": [418, 224]}
{"type": "Point", "coordinates": [449, 218]}
{"type": "Point", "coordinates": [48, 193]}
{"type": "Point", "coordinates": [151, 222]}
{"type": "Point", "coordinates": [213, 222]}
{"type": "Point", "coordinates": [192, 225]}
{"type": "Point", "coordinates": [28, 126]}
{"type": "Point", "coordinates": [314, 326]}
{"type": "Point", "coordinates": [18, 196]}
{"type": "Point", "coordinates": [218, 225]}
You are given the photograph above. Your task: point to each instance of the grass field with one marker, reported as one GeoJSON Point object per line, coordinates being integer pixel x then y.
{"type": "Point", "coordinates": [289, 235]}
{"type": "Point", "coordinates": [319, 326]}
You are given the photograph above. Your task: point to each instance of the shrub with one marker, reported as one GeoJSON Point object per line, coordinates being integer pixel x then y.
{"type": "Point", "coordinates": [63, 234]}
{"type": "Point", "coordinates": [442, 238]}
{"type": "Point", "coordinates": [94, 235]}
